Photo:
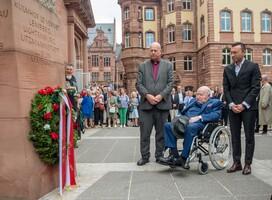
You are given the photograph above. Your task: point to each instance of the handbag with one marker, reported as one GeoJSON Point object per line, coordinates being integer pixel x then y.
{"type": "Point", "coordinates": [112, 110]}
{"type": "Point", "coordinates": [101, 106]}
{"type": "Point", "coordinates": [179, 125]}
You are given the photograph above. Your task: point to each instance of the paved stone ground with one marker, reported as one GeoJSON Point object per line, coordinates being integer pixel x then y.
{"type": "Point", "coordinates": [107, 170]}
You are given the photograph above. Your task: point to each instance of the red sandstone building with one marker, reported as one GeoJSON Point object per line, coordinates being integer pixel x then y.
{"type": "Point", "coordinates": [104, 64]}
{"type": "Point", "coordinates": [196, 36]}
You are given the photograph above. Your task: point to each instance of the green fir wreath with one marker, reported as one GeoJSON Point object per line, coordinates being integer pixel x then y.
{"type": "Point", "coordinates": [44, 121]}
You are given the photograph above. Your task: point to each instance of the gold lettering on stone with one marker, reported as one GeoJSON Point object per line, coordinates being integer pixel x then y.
{"type": "Point", "coordinates": [38, 31]}
{"type": "Point", "coordinates": [3, 13]}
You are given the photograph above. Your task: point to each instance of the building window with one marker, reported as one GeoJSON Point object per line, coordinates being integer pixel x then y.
{"type": "Point", "coordinates": [170, 6]}
{"type": "Point", "coordinates": [107, 76]}
{"type": "Point", "coordinates": [187, 4]}
{"type": "Point", "coordinates": [95, 76]}
{"type": "Point", "coordinates": [267, 57]}
{"type": "Point", "coordinates": [201, 2]}
{"type": "Point", "coordinates": [140, 10]}
{"type": "Point", "coordinates": [95, 60]}
{"type": "Point", "coordinates": [202, 26]}
{"type": "Point", "coordinates": [246, 21]}
{"type": "Point", "coordinates": [188, 63]}
{"type": "Point", "coordinates": [140, 39]}
{"type": "Point", "coordinates": [127, 40]}
{"type": "Point", "coordinates": [149, 14]}
{"type": "Point", "coordinates": [107, 62]}
{"type": "Point", "coordinates": [225, 21]}
{"type": "Point", "coordinates": [187, 32]}
{"type": "Point", "coordinates": [126, 13]}
{"type": "Point", "coordinates": [171, 34]}
{"type": "Point", "coordinates": [149, 39]}
{"type": "Point", "coordinates": [266, 22]}
{"type": "Point", "coordinates": [248, 54]}
{"type": "Point", "coordinates": [173, 61]}
{"type": "Point", "coordinates": [226, 60]}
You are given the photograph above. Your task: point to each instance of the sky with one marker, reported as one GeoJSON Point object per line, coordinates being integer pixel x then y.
{"type": "Point", "coordinates": [105, 11]}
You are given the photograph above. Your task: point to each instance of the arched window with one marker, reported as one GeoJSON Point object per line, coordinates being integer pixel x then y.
{"type": "Point", "coordinates": [171, 33]}
{"type": "Point", "coordinates": [246, 18]}
{"type": "Point", "coordinates": [267, 57]}
{"type": "Point", "coordinates": [188, 63]}
{"type": "Point", "coordinates": [202, 26]}
{"type": "Point", "coordinates": [225, 20]}
{"type": "Point", "coordinates": [248, 54]}
{"type": "Point", "coordinates": [170, 6]}
{"type": "Point", "coordinates": [149, 39]}
{"type": "Point", "coordinates": [226, 59]}
{"type": "Point", "coordinates": [126, 13]}
{"type": "Point", "coordinates": [187, 32]}
{"type": "Point", "coordinates": [127, 40]}
{"type": "Point", "coordinates": [266, 22]}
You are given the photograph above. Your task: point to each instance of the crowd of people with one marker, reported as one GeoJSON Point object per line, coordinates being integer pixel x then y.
{"type": "Point", "coordinates": [244, 98]}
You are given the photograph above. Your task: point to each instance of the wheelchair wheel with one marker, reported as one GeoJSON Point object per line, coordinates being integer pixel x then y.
{"type": "Point", "coordinates": [220, 147]}
{"type": "Point", "coordinates": [203, 168]}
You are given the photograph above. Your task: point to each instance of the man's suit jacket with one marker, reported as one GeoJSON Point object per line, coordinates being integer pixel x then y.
{"type": "Point", "coordinates": [162, 85]}
{"type": "Point", "coordinates": [245, 86]}
{"type": "Point", "coordinates": [175, 100]}
{"type": "Point", "coordinates": [210, 111]}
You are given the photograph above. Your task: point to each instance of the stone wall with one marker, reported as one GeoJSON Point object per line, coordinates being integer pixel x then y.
{"type": "Point", "coordinates": [33, 50]}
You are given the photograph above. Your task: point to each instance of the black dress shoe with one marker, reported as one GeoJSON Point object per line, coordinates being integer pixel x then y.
{"type": "Point", "coordinates": [142, 161]}
{"type": "Point", "coordinates": [247, 170]}
{"type": "Point", "coordinates": [235, 167]}
{"type": "Point", "coordinates": [179, 162]}
{"type": "Point", "coordinates": [166, 160]}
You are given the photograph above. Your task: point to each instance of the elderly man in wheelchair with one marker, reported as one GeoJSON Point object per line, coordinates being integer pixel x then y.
{"type": "Point", "coordinates": [198, 125]}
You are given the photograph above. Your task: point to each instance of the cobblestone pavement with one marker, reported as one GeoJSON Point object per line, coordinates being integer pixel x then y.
{"type": "Point", "coordinates": [107, 170]}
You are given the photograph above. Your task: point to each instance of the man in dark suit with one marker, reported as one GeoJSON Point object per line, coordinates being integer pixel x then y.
{"type": "Point", "coordinates": [241, 82]}
{"type": "Point", "coordinates": [154, 83]}
{"type": "Point", "coordinates": [200, 111]}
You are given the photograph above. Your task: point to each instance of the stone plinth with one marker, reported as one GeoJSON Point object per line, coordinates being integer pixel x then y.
{"type": "Point", "coordinates": [33, 50]}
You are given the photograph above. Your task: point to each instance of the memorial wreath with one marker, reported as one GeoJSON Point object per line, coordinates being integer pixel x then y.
{"type": "Point", "coordinates": [44, 120]}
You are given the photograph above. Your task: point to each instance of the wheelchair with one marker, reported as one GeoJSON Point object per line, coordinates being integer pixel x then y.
{"type": "Point", "coordinates": [213, 141]}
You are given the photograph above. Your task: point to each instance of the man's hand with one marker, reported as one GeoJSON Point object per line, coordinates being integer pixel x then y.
{"type": "Point", "coordinates": [237, 108]}
{"type": "Point", "coordinates": [158, 98]}
{"type": "Point", "coordinates": [240, 107]}
{"type": "Point", "coordinates": [194, 119]}
{"type": "Point", "coordinates": [151, 99]}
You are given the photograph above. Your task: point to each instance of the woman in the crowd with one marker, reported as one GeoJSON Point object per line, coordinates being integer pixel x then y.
{"type": "Point", "coordinates": [123, 101]}
{"type": "Point", "coordinates": [134, 115]}
{"type": "Point", "coordinates": [87, 105]}
{"type": "Point", "coordinates": [98, 108]}
{"type": "Point", "coordinates": [112, 109]}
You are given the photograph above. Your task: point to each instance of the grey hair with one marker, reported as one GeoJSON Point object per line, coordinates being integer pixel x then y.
{"type": "Point", "coordinates": [207, 89]}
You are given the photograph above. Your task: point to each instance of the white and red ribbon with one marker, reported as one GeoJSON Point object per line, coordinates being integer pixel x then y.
{"type": "Point", "coordinates": [67, 170]}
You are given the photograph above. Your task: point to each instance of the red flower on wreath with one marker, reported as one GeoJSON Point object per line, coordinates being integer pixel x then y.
{"type": "Point", "coordinates": [55, 107]}
{"type": "Point", "coordinates": [42, 92]}
{"type": "Point", "coordinates": [47, 116]}
{"type": "Point", "coordinates": [49, 90]}
{"type": "Point", "coordinates": [54, 135]}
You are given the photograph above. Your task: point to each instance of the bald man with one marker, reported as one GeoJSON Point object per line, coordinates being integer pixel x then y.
{"type": "Point", "coordinates": [154, 83]}
{"type": "Point", "coordinates": [200, 111]}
